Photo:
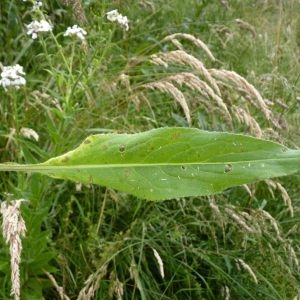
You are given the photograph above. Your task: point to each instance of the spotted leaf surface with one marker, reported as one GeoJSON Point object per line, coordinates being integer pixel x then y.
{"type": "Point", "coordinates": [170, 162]}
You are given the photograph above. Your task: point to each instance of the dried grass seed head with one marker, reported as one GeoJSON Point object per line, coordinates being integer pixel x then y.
{"type": "Point", "coordinates": [160, 263]}
{"type": "Point", "coordinates": [274, 223]}
{"type": "Point", "coordinates": [13, 228]}
{"type": "Point", "coordinates": [240, 83]}
{"type": "Point", "coordinates": [239, 220]}
{"type": "Point", "coordinates": [195, 83]}
{"type": "Point", "coordinates": [247, 268]}
{"type": "Point", "coordinates": [77, 9]}
{"type": "Point", "coordinates": [196, 41]}
{"type": "Point", "coordinates": [245, 117]}
{"type": "Point", "coordinates": [169, 88]}
{"type": "Point", "coordinates": [29, 133]}
{"type": "Point", "coordinates": [183, 58]}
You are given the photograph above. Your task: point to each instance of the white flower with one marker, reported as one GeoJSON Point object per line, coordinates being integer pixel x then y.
{"type": "Point", "coordinates": [115, 16]}
{"type": "Point", "coordinates": [112, 15]}
{"type": "Point", "coordinates": [29, 133]}
{"type": "Point", "coordinates": [37, 5]}
{"type": "Point", "coordinates": [123, 21]}
{"type": "Point", "coordinates": [38, 26]}
{"type": "Point", "coordinates": [12, 76]}
{"type": "Point", "coordinates": [77, 31]}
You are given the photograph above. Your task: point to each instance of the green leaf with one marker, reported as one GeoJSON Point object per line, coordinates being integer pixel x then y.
{"type": "Point", "coordinates": [170, 162]}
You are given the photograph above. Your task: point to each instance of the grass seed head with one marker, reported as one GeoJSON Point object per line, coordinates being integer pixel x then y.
{"type": "Point", "coordinates": [239, 220]}
{"type": "Point", "coordinates": [247, 268]}
{"type": "Point", "coordinates": [77, 9]}
{"type": "Point", "coordinates": [183, 58]}
{"type": "Point", "coordinates": [160, 263]}
{"type": "Point", "coordinates": [13, 228]}
{"type": "Point", "coordinates": [169, 88]}
{"type": "Point", "coordinates": [196, 41]}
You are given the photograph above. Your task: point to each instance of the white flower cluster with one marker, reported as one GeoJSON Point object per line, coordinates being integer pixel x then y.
{"type": "Point", "coordinates": [115, 16]}
{"type": "Point", "coordinates": [37, 5]}
{"type": "Point", "coordinates": [77, 31]}
{"type": "Point", "coordinates": [12, 76]}
{"type": "Point", "coordinates": [38, 26]}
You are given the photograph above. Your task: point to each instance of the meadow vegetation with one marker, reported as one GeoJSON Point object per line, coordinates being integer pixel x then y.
{"type": "Point", "coordinates": [214, 65]}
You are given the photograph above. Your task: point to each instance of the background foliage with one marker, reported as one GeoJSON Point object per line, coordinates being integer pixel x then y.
{"type": "Point", "coordinates": [241, 244]}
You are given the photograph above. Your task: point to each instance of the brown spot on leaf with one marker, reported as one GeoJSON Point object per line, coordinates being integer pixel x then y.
{"type": "Point", "coordinates": [65, 159]}
{"type": "Point", "coordinates": [228, 168]}
{"type": "Point", "coordinates": [122, 148]}
{"type": "Point", "coordinates": [175, 135]}
{"type": "Point", "coordinates": [87, 141]}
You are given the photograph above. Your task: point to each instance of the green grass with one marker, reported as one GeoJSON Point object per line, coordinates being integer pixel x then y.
{"type": "Point", "coordinates": [73, 91]}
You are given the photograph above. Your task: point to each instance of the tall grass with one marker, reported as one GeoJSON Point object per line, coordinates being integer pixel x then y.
{"type": "Point", "coordinates": [223, 65]}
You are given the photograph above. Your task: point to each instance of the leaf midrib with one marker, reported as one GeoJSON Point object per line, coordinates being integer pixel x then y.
{"type": "Point", "coordinates": [7, 167]}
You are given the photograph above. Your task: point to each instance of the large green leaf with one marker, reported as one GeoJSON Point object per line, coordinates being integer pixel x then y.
{"type": "Point", "coordinates": [170, 162]}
